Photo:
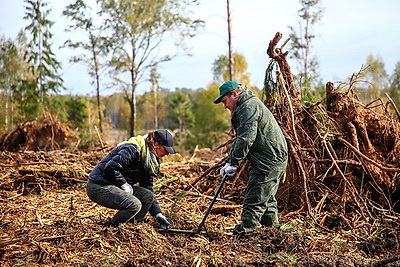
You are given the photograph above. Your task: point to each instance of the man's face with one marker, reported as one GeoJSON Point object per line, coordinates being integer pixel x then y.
{"type": "Point", "coordinates": [229, 102]}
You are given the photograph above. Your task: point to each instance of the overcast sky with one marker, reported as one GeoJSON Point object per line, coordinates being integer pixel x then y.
{"type": "Point", "coordinates": [348, 32]}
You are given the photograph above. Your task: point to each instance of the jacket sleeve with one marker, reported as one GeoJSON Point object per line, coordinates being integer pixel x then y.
{"type": "Point", "coordinates": [115, 166]}
{"type": "Point", "coordinates": [246, 133]}
{"type": "Point", "coordinates": [148, 184]}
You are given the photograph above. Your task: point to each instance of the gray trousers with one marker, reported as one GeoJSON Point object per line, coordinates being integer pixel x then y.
{"type": "Point", "coordinates": [130, 206]}
{"type": "Point", "coordinates": [260, 205]}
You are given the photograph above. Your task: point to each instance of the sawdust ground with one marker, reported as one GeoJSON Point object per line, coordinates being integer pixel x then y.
{"type": "Point", "coordinates": [55, 223]}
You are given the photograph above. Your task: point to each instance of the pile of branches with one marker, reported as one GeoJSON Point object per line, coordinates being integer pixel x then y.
{"type": "Point", "coordinates": [44, 133]}
{"type": "Point", "coordinates": [343, 155]}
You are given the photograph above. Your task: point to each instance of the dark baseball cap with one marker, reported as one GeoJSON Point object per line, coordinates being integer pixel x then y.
{"type": "Point", "coordinates": [163, 137]}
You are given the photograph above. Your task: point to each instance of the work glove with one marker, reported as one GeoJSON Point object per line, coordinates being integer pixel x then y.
{"type": "Point", "coordinates": [162, 220]}
{"type": "Point", "coordinates": [222, 170]}
{"type": "Point", "coordinates": [228, 169]}
{"type": "Point", "coordinates": [127, 188]}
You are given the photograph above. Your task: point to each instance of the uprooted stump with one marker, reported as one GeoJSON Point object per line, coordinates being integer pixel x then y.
{"type": "Point", "coordinates": [343, 155]}
{"type": "Point", "coordinates": [43, 133]}
{"type": "Point", "coordinates": [374, 135]}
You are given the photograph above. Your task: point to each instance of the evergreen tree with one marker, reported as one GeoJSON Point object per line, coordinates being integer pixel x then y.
{"type": "Point", "coordinates": [44, 65]}
{"type": "Point", "coordinates": [95, 45]}
{"type": "Point", "coordinates": [301, 43]}
{"type": "Point", "coordinates": [13, 69]}
{"type": "Point", "coordinates": [182, 114]}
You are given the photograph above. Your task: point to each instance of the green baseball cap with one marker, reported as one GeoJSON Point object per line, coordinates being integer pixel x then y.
{"type": "Point", "coordinates": [226, 88]}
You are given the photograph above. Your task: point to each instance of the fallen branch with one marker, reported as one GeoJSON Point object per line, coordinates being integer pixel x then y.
{"type": "Point", "coordinates": [338, 161]}
{"type": "Point", "coordinates": [216, 166]}
{"type": "Point", "coordinates": [53, 237]}
{"type": "Point", "coordinates": [29, 163]}
{"type": "Point", "coordinates": [20, 194]}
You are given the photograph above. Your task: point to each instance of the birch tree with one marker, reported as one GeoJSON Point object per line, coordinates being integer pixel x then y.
{"type": "Point", "coordinates": [144, 33]}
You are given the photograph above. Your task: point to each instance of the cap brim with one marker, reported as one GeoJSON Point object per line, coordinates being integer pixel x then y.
{"type": "Point", "coordinates": [170, 150]}
{"type": "Point", "coordinates": [218, 100]}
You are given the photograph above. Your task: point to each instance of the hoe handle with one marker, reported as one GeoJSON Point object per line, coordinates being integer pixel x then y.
{"type": "Point", "coordinates": [201, 225]}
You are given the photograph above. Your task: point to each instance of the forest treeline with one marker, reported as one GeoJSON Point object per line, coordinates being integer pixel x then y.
{"type": "Point", "coordinates": [120, 48]}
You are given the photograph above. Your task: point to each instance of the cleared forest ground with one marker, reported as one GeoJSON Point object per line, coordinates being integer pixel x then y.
{"type": "Point", "coordinates": [339, 200]}
{"type": "Point", "coordinates": [47, 219]}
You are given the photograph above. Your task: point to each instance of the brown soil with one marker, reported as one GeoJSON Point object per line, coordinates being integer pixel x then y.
{"type": "Point", "coordinates": [47, 219]}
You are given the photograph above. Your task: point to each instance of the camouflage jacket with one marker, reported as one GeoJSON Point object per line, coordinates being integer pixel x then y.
{"type": "Point", "coordinates": [258, 135]}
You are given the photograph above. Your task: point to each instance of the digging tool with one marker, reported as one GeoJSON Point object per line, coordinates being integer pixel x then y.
{"type": "Point", "coordinates": [201, 225]}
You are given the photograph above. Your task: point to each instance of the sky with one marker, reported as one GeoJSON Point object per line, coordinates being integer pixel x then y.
{"type": "Point", "coordinates": [348, 32]}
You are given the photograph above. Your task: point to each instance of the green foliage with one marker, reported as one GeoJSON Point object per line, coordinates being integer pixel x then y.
{"type": "Point", "coordinates": [138, 30]}
{"type": "Point", "coordinates": [312, 92]}
{"type": "Point", "coordinates": [180, 114]}
{"type": "Point", "coordinates": [394, 87]}
{"type": "Point", "coordinates": [221, 69]}
{"type": "Point", "coordinates": [13, 69]}
{"type": "Point", "coordinates": [95, 47]}
{"type": "Point", "coordinates": [162, 181]}
{"type": "Point", "coordinates": [181, 106]}
{"type": "Point", "coordinates": [211, 120]}
{"type": "Point", "coordinates": [28, 99]}
{"type": "Point", "coordinates": [309, 14]}
{"type": "Point", "coordinates": [40, 55]}
{"type": "Point", "coordinates": [373, 79]}
{"type": "Point", "coordinates": [77, 111]}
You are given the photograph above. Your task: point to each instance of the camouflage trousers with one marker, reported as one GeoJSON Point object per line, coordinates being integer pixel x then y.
{"type": "Point", "coordinates": [260, 205]}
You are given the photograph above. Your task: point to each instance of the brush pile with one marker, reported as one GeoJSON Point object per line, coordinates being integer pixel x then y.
{"type": "Point", "coordinates": [46, 132]}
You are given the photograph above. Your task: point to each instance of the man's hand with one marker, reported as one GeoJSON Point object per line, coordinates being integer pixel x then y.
{"type": "Point", "coordinates": [127, 188]}
{"type": "Point", "coordinates": [228, 169]}
{"type": "Point", "coordinates": [222, 170]}
{"type": "Point", "coordinates": [162, 220]}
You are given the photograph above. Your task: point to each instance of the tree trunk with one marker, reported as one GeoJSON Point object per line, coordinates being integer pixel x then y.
{"type": "Point", "coordinates": [96, 71]}
{"type": "Point", "coordinates": [231, 63]}
{"type": "Point", "coordinates": [133, 104]}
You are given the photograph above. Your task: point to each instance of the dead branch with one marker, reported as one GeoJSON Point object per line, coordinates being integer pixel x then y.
{"type": "Point", "coordinates": [230, 141]}
{"type": "Point", "coordinates": [205, 173]}
{"type": "Point", "coordinates": [393, 105]}
{"type": "Point", "coordinates": [280, 57]}
{"type": "Point", "coordinates": [388, 169]}
{"type": "Point", "coordinates": [353, 190]}
{"type": "Point", "coordinates": [282, 83]}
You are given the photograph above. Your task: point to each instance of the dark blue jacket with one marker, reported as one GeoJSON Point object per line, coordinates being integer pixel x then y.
{"type": "Point", "coordinates": [123, 165]}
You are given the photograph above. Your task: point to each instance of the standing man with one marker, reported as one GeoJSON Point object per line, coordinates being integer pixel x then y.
{"type": "Point", "coordinates": [260, 140]}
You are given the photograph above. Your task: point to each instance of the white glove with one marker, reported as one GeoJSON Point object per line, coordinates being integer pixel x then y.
{"type": "Point", "coordinates": [222, 170]}
{"type": "Point", "coordinates": [162, 220]}
{"type": "Point", "coordinates": [230, 170]}
{"type": "Point", "coordinates": [127, 188]}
